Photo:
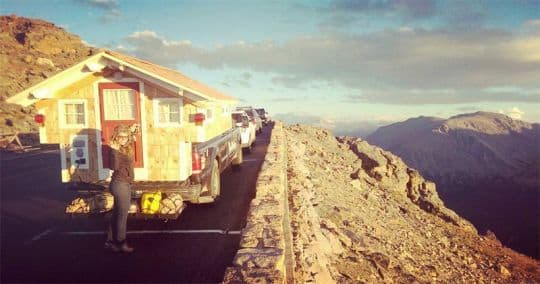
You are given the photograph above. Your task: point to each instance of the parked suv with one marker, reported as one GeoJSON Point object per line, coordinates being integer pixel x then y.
{"type": "Point", "coordinates": [253, 117]}
{"type": "Point", "coordinates": [247, 129]}
{"type": "Point", "coordinates": [263, 114]}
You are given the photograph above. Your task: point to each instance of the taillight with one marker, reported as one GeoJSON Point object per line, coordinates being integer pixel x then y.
{"type": "Point", "coordinates": [196, 163]}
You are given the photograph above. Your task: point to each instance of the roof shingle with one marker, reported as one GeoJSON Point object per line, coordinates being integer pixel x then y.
{"type": "Point", "coordinates": [171, 75]}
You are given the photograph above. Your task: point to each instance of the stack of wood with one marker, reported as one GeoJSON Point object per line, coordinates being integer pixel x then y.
{"type": "Point", "coordinates": [172, 204]}
{"type": "Point", "coordinates": [98, 203]}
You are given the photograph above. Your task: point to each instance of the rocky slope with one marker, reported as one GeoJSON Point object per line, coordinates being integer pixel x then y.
{"type": "Point", "coordinates": [486, 166]}
{"type": "Point", "coordinates": [32, 50]}
{"type": "Point", "coordinates": [359, 214]}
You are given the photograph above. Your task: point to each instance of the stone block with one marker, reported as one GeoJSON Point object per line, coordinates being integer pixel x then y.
{"type": "Point", "coordinates": [269, 258]}
{"type": "Point", "coordinates": [237, 275]}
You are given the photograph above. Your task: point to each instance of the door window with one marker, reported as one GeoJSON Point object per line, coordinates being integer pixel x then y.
{"type": "Point", "coordinates": [119, 104]}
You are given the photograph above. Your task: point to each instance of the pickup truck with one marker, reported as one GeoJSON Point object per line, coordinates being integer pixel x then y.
{"type": "Point", "coordinates": [253, 117]}
{"type": "Point", "coordinates": [247, 129]}
{"type": "Point", "coordinates": [208, 160]}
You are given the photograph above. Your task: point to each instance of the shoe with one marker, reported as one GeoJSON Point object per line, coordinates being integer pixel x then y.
{"type": "Point", "coordinates": [110, 246]}
{"type": "Point", "coordinates": [123, 247]}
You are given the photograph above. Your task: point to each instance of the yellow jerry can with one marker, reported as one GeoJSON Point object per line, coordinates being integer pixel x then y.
{"type": "Point", "coordinates": [150, 202]}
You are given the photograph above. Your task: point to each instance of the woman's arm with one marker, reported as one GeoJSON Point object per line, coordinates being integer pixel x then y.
{"type": "Point", "coordinates": [114, 159]}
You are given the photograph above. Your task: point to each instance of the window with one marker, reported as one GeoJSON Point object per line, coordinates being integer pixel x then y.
{"type": "Point", "coordinates": [72, 113]}
{"type": "Point", "coordinates": [225, 110]}
{"type": "Point", "coordinates": [119, 104]}
{"type": "Point", "coordinates": [208, 114]}
{"type": "Point", "coordinates": [168, 112]}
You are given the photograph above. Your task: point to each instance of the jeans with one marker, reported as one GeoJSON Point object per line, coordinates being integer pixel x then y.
{"type": "Point", "coordinates": [122, 200]}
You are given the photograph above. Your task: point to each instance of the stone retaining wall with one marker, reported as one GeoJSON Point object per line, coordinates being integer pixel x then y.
{"type": "Point", "coordinates": [264, 254]}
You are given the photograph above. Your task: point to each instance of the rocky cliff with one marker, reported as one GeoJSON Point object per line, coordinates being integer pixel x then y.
{"type": "Point", "coordinates": [32, 50]}
{"type": "Point", "coordinates": [486, 166]}
{"type": "Point", "coordinates": [359, 214]}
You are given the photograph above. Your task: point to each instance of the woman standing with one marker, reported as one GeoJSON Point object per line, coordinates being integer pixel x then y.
{"type": "Point", "coordinates": [121, 162]}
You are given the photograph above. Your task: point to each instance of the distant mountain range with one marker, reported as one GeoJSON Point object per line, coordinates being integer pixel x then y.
{"type": "Point", "coordinates": [486, 167]}
{"type": "Point", "coordinates": [466, 149]}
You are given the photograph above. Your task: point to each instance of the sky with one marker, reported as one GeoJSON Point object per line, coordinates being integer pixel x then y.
{"type": "Point", "coordinates": [350, 66]}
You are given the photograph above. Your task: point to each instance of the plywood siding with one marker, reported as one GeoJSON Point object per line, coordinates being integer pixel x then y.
{"type": "Point", "coordinates": [219, 124]}
{"type": "Point", "coordinates": [162, 145]}
{"type": "Point", "coordinates": [81, 90]}
{"type": "Point", "coordinates": [163, 142]}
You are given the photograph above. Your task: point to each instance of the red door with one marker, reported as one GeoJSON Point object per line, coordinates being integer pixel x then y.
{"type": "Point", "coordinates": [119, 104]}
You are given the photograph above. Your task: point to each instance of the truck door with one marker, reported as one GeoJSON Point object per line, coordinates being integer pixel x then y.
{"type": "Point", "coordinates": [119, 104]}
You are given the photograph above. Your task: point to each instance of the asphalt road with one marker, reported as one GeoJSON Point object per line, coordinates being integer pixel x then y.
{"type": "Point", "coordinates": [39, 243]}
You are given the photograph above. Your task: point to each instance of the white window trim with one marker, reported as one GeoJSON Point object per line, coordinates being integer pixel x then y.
{"type": "Point", "coordinates": [205, 112]}
{"type": "Point", "coordinates": [62, 114]}
{"type": "Point", "coordinates": [157, 123]}
{"type": "Point", "coordinates": [213, 114]}
{"type": "Point", "coordinates": [225, 110]}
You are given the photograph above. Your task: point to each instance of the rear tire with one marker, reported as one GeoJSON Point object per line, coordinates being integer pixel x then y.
{"type": "Point", "coordinates": [215, 181]}
{"type": "Point", "coordinates": [238, 160]}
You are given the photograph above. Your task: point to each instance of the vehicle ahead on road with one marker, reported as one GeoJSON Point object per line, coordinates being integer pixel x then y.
{"type": "Point", "coordinates": [247, 129]}
{"type": "Point", "coordinates": [183, 134]}
{"type": "Point", "coordinates": [263, 115]}
{"type": "Point", "coordinates": [253, 117]}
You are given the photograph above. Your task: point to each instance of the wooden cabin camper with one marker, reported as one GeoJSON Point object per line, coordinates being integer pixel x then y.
{"type": "Point", "coordinates": [79, 108]}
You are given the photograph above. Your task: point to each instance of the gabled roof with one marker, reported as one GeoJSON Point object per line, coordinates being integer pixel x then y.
{"type": "Point", "coordinates": [178, 82]}
{"type": "Point", "coordinates": [171, 75]}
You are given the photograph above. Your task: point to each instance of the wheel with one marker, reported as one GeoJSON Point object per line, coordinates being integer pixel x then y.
{"type": "Point", "coordinates": [238, 160]}
{"type": "Point", "coordinates": [215, 182]}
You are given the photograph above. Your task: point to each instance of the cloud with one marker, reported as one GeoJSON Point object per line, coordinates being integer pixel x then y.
{"type": "Point", "coordinates": [339, 127]}
{"type": "Point", "coordinates": [467, 109]}
{"type": "Point", "coordinates": [405, 8]}
{"type": "Point", "coordinates": [305, 118]}
{"type": "Point", "coordinates": [444, 96]}
{"type": "Point", "coordinates": [533, 24]}
{"type": "Point", "coordinates": [110, 8]}
{"type": "Point", "coordinates": [390, 66]}
{"type": "Point", "coordinates": [453, 15]}
{"type": "Point", "coordinates": [514, 113]}
{"type": "Point", "coordinates": [101, 4]}
{"type": "Point", "coordinates": [243, 79]}
{"type": "Point", "coordinates": [460, 15]}
{"type": "Point", "coordinates": [337, 14]}
{"type": "Point", "coordinates": [288, 81]}
{"type": "Point", "coordinates": [246, 76]}
{"type": "Point", "coordinates": [283, 99]}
